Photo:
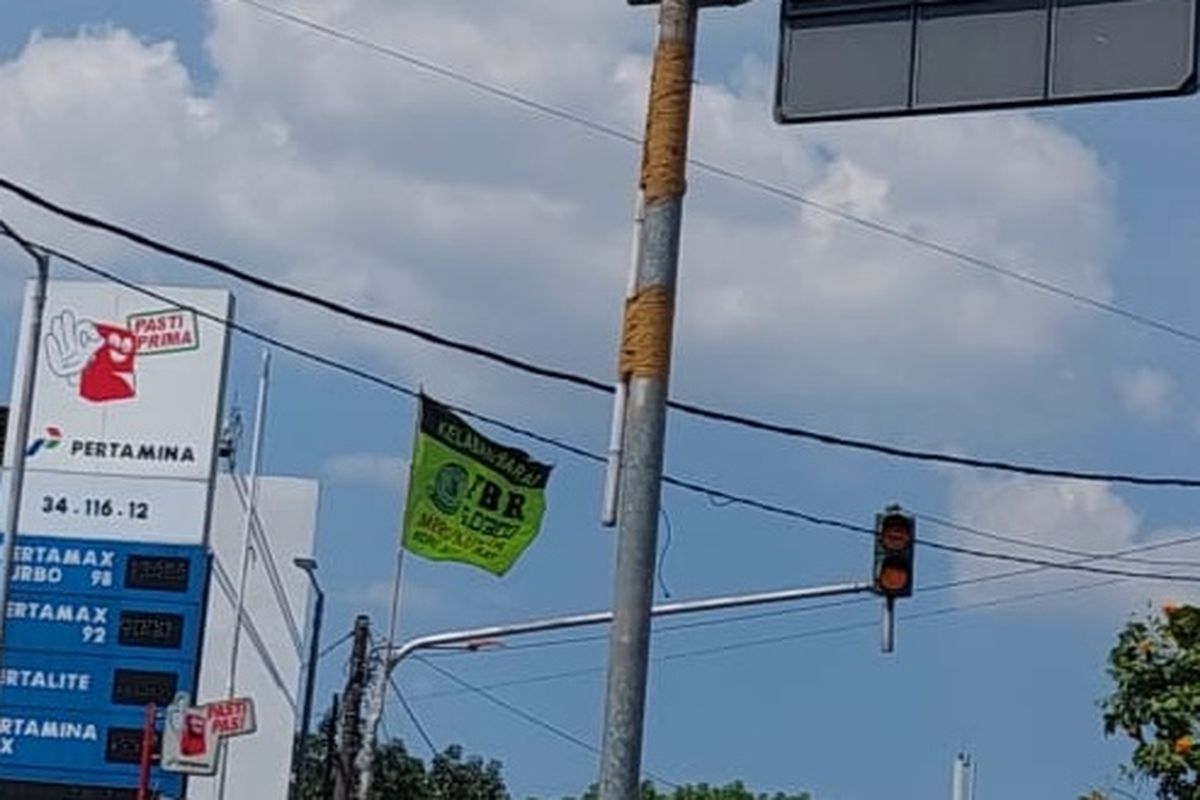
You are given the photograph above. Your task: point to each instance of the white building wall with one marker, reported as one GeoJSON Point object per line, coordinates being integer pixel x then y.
{"type": "Point", "coordinates": [271, 650]}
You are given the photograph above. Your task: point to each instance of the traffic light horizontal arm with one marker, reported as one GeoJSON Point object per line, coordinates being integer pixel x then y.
{"type": "Point", "coordinates": [463, 637]}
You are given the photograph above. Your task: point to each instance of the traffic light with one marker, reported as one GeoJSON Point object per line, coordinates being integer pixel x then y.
{"type": "Point", "coordinates": [895, 543]}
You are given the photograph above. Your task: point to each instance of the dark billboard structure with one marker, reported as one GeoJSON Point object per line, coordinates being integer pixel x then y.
{"type": "Point", "coordinates": [846, 59]}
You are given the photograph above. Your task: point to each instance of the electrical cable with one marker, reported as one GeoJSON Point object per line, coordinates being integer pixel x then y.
{"type": "Point", "coordinates": [412, 717]}
{"type": "Point", "coordinates": [937, 612]}
{"type": "Point", "coordinates": [710, 492]}
{"type": "Point", "coordinates": [330, 648]}
{"type": "Point", "coordinates": [1067, 551]}
{"type": "Point", "coordinates": [1059, 565]}
{"type": "Point", "coordinates": [260, 646]}
{"type": "Point", "coordinates": [387, 734]}
{"type": "Point", "coordinates": [853, 601]}
{"type": "Point", "coordinates": [583, 381]}
{"type": "Point", "coordinates": [525, 715]}
{"type": "Point", "coordinates": [766, 641]}
{"type": "Point", "coordinates": [272, 569]}
{"type": "Point", "coordinates": [668, 538]}
{"type": "Point", "coordinates": [23, 243]}
{"type": "Point", "coordinates": [612, 132]}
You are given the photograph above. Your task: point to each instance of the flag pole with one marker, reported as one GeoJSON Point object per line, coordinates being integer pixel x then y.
{"type": "Point", "coordinates": [251, 502]}
{"type": "Point", "coordinates": [398, 586]}
{"type": "Point", "coordinates": [394, 618]}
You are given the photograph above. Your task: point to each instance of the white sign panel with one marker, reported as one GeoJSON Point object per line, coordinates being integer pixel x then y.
{"type": "Point", "coordinates": [193, 736]}
{"type": "Point", "coordinates": [126, 384]}
{"type": "Point", "coordinates": [108, 508]}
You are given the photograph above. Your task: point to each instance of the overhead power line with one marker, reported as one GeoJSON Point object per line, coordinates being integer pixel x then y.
{"type": "Point", "coordinates": [780, 639]}
{"type": "Point", "coordinates": [412, 717]}
{"type": "Point", "coordinates": [1049, 548]}
{"type": "Point", "coordinates": [959, 583]}
{"type": "Point", "coordinates": [335, 645]}
{"type": "Point", "coordinates": [531, 104]}
{"type": "Point", "coordinates": [256, 639]}
{"type": "Point", "coordinates": [572, 378]}
{"type": "Point", "coordinates": [532, 719]}
{"type": "Point", "coordinates": [712, 493]}
{"type": "Point", "coordinates": [271, 567]}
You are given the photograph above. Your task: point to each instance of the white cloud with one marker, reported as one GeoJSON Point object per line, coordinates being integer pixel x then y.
{"type": "Point", "coordinates": [1076, 517]}
{"type": "Point", "coordinates": [388, 188]}
{"type": "Point", "coordinates": [370, 469]}
{"type": "Point", "coordinates": [1146, 392]}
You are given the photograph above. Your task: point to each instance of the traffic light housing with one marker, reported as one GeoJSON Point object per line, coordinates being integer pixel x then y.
{"type": "Point", "coordinates": [895, 546]}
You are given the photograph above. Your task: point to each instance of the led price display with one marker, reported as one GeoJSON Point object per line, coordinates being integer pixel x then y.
{"type": "Point", "coordinates": [23, 790]}
{"type": "Point", "coordinates": [157, 573]}
{"type": "Point", "coordinates": [150, 629]}
{"type": "Point", "coordinates": [134, 687]}
{"type": "Point", "coordinates": [124, 745]}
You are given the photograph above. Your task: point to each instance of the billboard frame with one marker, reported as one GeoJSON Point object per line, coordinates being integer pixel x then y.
{"type": "Point", "coordinates": [1191, 86]}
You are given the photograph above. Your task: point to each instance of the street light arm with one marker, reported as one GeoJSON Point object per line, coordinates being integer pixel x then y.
{"type": "Point", "coordinates": [392, 656]}
{"type": "Point", "coordinates": [404, 650]}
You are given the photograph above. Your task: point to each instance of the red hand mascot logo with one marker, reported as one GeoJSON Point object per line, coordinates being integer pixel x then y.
{"type": "Point", "coordinates": [194, 740]}
{"type": "Point", "coordinates": [100, 357]}
{"type": "Point", "coordinates": [109, 374]}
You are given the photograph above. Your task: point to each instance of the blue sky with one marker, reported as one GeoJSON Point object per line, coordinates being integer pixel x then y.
{"type": "Point", "coordinates": [331, 168]}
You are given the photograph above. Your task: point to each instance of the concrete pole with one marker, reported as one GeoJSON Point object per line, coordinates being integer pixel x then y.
{"type": "Point", "coordinates": [352, 702]}
{"type": "Point", "coordinates": [645, 365]}
{"type": "Point", "coordinates": [22, 420]}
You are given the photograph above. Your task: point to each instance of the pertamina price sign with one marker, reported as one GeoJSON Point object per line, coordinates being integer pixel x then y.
{"type": "Point", "coordinates": [111, 565]}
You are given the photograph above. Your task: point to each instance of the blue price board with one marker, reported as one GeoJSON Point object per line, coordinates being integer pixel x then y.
{"type": "Point", "coordinates": [123, 626]}
{"type": "Point", "coordinates": [170, 573]}
{"type": "Point", "coordinates": [95, 749]}
{"type": "Point", "coordinates": [59, 680]}
{"type": "Point", "coordinates": [97, 630]}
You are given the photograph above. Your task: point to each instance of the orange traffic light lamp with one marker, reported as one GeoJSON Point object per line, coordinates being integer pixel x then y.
{"type": "Point", "coordinates": [895, 546]}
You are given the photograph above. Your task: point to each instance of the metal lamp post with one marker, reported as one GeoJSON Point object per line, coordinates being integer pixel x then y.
{"type": "Point", "coordinates": [309, 566]}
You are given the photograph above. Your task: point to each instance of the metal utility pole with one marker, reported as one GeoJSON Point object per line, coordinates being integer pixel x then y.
{"type": "Point", "coordinates": [645, 357]}
{"type": "Point", "coordinates": [22, 420]}
{"type": "Point", "coordinates": [352, 699]}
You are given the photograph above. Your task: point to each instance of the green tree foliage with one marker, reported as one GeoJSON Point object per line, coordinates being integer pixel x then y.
{"type": "Point", "coordinates": [400, 776]}
{"type": "Point", "coordinates": [452, 776]}
{"type": "Point", "coordinates": [701, 791]}
{"type": "Point", "coordinates": [1155, 667]}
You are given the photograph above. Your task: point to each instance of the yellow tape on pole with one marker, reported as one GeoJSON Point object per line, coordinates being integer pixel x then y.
{"type": "Point", "coordinates": [646, 337]}
{"type": "Point", "coordinates": [665, 162]}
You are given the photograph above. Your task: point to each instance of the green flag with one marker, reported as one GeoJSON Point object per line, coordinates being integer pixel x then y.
{"type": "Point", "coordinates": [470, 499]}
